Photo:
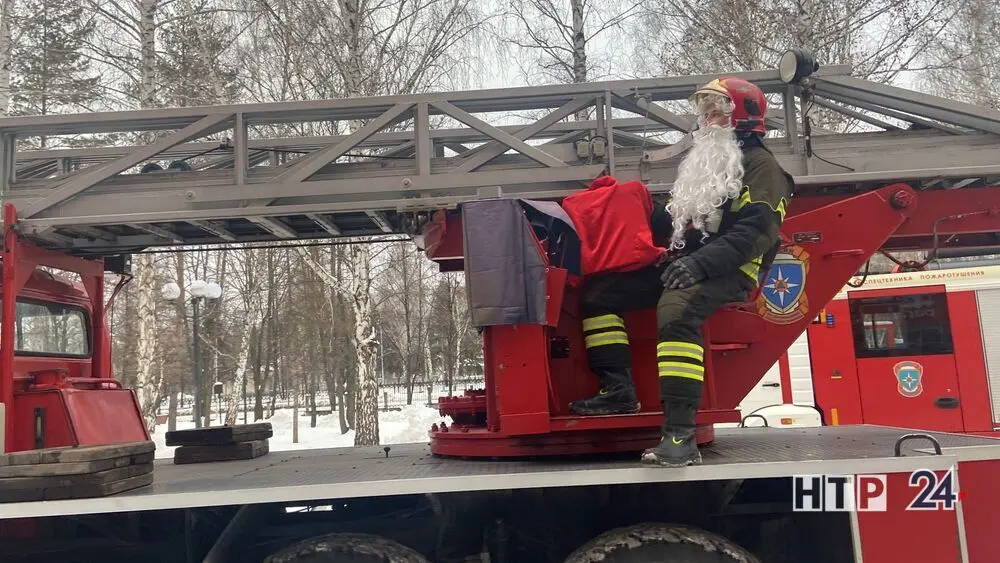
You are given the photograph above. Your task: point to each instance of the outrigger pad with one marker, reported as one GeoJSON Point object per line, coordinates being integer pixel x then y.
{"type": "Point", "coordinates": [220, 443]}
{"type": "Point", "coordinates": [225, 452]}
{"type": "Point", "coordinates": [504, 271]}
{"type": "Point", "coordinates": [220, 435]}
{"type": "Point", "coordinates": [75, 472]}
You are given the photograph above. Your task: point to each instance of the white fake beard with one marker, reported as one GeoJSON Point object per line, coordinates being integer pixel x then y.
{"type": "Point", "coordinates": [711, 173]}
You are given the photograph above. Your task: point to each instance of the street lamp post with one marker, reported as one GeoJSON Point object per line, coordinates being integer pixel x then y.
{"type": "Point", "coordinates": [198, 290]}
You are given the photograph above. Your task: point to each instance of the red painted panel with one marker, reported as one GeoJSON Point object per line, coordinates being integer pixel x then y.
{"type": "Point", "coordinates": [884, 402]}
{"type": "Point", "coordinates": [75, 417]}
{"type": "Point", "coordinates": [977, 205]}
{"type": "Point", "coordinates": [522, 377]}
{"type": "Point", "coordinates": [970, 360]}
{"type": "Point", "coordinates": [904, 343]}
{"type": "Point", "coordinates": [90, 410]}
{"type": "Point", "coordinates": [57, 430]}
{"type": "Point", "coordinates": [899, 534]}
{"type": "Point", "coordinates": [555, 288]}
{"type": "Point", "coordinates": [980, 498]}
{"type": "Point", "coordinates": [835, 378]}
{"type": "Point", "coordinates": [572, 379]}
{"type": "Point", "coordinates": [785, 377]}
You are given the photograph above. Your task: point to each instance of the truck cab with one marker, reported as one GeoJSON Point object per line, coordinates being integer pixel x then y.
{"type": "Point", "coordinates": [906, 349]}
{"type": "Point", "coordinates": [69, 398]}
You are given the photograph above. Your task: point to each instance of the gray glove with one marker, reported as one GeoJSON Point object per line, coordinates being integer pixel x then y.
{"type": "Point", "coordinates": [682, 273]}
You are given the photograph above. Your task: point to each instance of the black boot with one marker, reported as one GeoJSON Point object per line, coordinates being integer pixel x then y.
{"type": "Point", "coordinates": [677, 447]}
{"type": "Point", "coordinates": [617, 396]}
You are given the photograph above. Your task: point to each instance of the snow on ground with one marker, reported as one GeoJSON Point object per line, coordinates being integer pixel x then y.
{"type": "Point", "coordinates": [404, 426]}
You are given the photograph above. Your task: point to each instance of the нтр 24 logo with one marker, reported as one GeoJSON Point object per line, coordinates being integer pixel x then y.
{"type": "Point", "coordinates": [869, 493]}
{"type": "Point", "coordinates": [933, 493]}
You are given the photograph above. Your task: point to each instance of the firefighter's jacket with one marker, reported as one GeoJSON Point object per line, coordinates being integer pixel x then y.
{"type": "Point", "coordinates": [747, 237]}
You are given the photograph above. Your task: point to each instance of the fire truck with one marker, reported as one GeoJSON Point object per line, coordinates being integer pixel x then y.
{"type": "Point", "coordinates": [509, 474]}
{"type": "Point", "coordinates": [937, 327]}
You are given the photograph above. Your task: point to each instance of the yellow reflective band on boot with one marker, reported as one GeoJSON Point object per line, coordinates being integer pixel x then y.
{"type": "Point", "coordinates": [603, 321]}
{"type": "Point", "coordinates": [680, 359]}
{"type": "Point", "coordinates": [606, 338]}
{"type": "Point", "coordinates": [604, 330]}
{"type": "Point", "coordinates": [680, 350]}
{"type": "Point", "coordinates": [681, 369]}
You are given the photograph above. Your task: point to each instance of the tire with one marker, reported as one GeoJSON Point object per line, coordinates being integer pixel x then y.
{"type": "Point", "coordinates": [346, 548]}
{"type": "Point", "coordinates": [660, 543]}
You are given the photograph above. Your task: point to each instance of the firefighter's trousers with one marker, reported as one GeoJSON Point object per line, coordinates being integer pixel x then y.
{"type": "Point", "coordinates": [680, 314]}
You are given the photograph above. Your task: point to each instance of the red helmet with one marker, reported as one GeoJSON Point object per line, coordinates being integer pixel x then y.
{"type": "Point", "coordinates": [749, 103]}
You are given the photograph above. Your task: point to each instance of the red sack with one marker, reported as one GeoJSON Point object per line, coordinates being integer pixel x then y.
{"type": "Point", "coordinates": [612, 221]}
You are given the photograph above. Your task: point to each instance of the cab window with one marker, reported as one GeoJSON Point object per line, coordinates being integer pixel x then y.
{"type": "Point", "coordinates": [904, 325]}
{"type": "Point", "coordinates": [50, 329]}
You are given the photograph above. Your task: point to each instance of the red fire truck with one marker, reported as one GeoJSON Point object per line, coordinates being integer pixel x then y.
{"type": "Point", "coordinates": [915, 349]}
{"type": "Point", "coordinates": [511, 475]}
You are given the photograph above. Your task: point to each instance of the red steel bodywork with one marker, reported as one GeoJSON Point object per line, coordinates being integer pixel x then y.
{"type": "Point", "coordinates": [523, 409]}
{"type": "Point", "coordinates": [60, 401]}
{"type": "Point", "coordinates": [853, 390]}
{"type": "Point", "coordinates": [940, 531]}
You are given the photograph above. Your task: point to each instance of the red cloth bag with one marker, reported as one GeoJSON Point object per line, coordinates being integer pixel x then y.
{"type": "Point", "coordinates": [612, 221]}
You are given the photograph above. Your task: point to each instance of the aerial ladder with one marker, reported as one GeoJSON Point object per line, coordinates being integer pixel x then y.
{"type": "Point", "coordinates": [924, 177]}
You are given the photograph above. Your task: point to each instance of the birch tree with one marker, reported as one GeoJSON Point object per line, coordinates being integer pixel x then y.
{"type": "Point", "coordinates": [358, 291]}
{"type": "Point", "coordinates": [249, 280]}
{"type": "Point", "coordinates": [880, 38]}
{"type": "Point", "coordinates": [186, 70]}
{"type": "Point", "coordinates": [394, 47]}
{"type": "Point", "coordinates": [552, 37]}
{"type": "Point", "coordinates": [404, 320]}
{"type": "Point", "coordinates": [7, 36]}
{"type": "Point", "coordinates": [450, 324]}
{"type": "Point", "coordinates": [147, 382]}
{"type": "Point", "coordinates": [962, 63]}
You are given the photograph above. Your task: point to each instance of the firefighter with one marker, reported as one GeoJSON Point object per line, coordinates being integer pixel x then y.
{"type": "Point", "coordinates": [720, 225]}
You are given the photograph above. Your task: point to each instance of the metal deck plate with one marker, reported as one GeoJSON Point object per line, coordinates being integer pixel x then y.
{"type": "Point", "coordinates": [297, 476]}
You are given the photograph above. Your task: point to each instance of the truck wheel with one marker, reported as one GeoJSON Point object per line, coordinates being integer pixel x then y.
{"type": "Point", "coordinates": [660, 543]}
{"type": "Point", "coordinates": [346, 548]}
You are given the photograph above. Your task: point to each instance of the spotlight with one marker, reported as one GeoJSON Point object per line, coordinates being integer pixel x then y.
{"type": "Point", "coordinates": [796, 64]}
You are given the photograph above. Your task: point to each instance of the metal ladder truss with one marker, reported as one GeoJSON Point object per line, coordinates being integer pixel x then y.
{"type": "Point", "coordinates": [247, 173]}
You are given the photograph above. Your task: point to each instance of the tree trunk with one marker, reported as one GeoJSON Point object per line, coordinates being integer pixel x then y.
{"type": "Point", "coordinates": [346, 400]}
{"type": "Point", "coordinates": [147, 385]}
{"type": "Point", "coordinates": [250, 329]}
{"type": "Point", "coordinates": [367, 428]}
{"type": "Point", "coordinates": [6, 48]}
{"type": "Point", "coordinates": [579, 50]}
{"type": "Point", "coordinates": [258, 382]}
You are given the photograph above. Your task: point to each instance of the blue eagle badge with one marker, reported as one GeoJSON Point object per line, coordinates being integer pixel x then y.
{"type": "Point", "coordinates": [909, 375]}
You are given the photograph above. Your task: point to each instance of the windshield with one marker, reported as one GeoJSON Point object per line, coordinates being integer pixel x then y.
{"type": "Point", "coordinates": [50, 329]}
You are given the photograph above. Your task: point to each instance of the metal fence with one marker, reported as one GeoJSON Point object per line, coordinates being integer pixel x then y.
{"type": "Point", "coordinates": [392, 396]}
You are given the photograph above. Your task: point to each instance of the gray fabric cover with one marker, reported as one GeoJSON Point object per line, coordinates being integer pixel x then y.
{"type": "Point", "coordinates": [504, 272]}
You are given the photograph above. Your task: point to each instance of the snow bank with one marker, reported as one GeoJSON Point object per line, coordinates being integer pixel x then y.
{"type": "Point", "coordinates": [408, 425]}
